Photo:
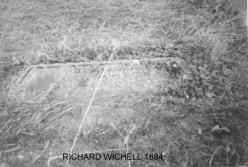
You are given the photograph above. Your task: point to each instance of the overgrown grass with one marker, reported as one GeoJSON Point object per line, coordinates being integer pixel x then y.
{"type": "Point", "coordinates": [196, 117]}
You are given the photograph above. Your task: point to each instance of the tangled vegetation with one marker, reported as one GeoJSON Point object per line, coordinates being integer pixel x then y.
{"type": "Point", "coordinates": [197, 117]}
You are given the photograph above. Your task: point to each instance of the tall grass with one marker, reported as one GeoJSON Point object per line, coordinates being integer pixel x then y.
{"type": "Point", "coordinates": [197, 116]}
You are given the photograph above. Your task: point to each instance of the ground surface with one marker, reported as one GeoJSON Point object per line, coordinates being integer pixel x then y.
{"type": "Point", "coordinates": [142, 77]}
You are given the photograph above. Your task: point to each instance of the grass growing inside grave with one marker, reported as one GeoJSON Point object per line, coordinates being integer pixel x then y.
{"type": "Point", "coordinates": [197, 117]}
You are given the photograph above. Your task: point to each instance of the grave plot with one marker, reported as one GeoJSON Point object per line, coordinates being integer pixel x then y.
{"type": "Point", "coordinates": [87, 122]}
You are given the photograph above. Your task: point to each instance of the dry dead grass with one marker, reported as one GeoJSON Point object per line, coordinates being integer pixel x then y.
{"type": "Point", "coordinates": [196, 117]}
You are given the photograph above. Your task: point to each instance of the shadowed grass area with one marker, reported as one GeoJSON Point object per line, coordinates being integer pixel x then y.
{"type": "Point", "coordinates": [195, 114]}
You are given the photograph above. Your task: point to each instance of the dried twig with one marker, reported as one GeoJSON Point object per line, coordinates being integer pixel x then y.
{"type": "Point", "coordinates": [212, 157]}
{"type": "Point", "coordinates": [45, 148]}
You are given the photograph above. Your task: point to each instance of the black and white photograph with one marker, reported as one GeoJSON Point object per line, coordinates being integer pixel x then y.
{"type": "Point", "coordinates": [123, 83]}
